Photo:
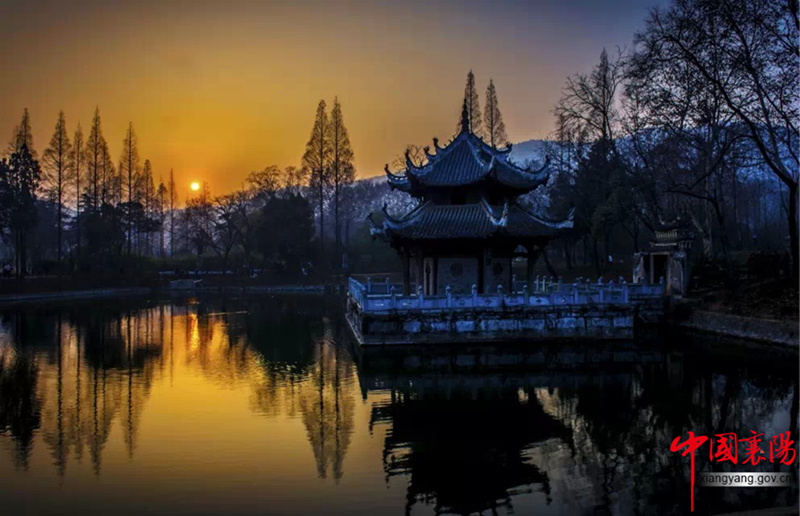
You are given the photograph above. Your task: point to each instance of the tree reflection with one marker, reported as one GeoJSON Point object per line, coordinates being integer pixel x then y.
{"type": "Point", "coordinates": [97, 368]}
{"type": "Point", "coordinates": [327, 401]}
{"type": "Point", "coordinates": [594, 437]}
{"type": "Point", "coordinates": [20, 409]}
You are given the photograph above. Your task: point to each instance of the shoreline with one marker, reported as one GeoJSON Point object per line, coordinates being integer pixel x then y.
{"type": "Point", "coordinates": [764, 331]}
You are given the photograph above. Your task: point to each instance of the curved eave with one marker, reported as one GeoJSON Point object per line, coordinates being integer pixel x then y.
{"type": "Point", "coordinates": [518, 179]}
{"type": "Point", "coordinates": [390, 222]}
{"type": "Point", "coordinates": [399, 183]}
{"type": "Point", "coordinates": [558, 225]}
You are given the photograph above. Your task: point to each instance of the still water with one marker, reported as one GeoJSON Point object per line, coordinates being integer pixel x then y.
{"type": "Point", "coordinates": [264, 406]}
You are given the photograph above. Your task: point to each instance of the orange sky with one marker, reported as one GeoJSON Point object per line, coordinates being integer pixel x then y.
{"type": "Point", "coordinates": [217, 89]}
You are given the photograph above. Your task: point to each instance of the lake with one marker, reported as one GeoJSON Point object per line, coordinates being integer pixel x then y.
{"type": "Point", "coordinates": [264, 405]}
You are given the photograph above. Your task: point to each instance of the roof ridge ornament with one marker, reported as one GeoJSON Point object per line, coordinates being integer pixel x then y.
{"type": "Point", "coordinates": [374, 229]}
{"type": "Point", "coordinates": [436, 144]}
{"type": "Point", "coordinates": [541, 169]}
{"type": "Point", "coordinates": [501, 222]}
{"type": "Point", "coordinates": [409, 163]}
{"type": "Point", "coordinates": [464, 117]}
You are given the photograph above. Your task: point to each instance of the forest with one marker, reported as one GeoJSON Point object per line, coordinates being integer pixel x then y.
{"type": "Point", "coordinates": [697, 120]}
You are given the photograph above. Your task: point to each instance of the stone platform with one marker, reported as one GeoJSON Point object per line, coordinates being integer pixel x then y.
{"type": "Point", "coordinates": [379, 316]}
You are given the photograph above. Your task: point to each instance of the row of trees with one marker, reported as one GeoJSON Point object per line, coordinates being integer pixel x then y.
{"type": "Point", "coordinates": [329, 158]}
{"type": "Point", "coordinates": [490, 127]}
{"type": "Point", "coordinates": [107, 208]}
{"type": "Point", "coordinates": [692, 122]}
{"type": "Point", "coordinates": [104, 215]}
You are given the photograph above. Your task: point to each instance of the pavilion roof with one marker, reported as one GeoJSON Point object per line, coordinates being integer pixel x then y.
{"type": "Point", "coordinates": [432, 221]}
{"type": "Point", "coordinates": [467, 160]}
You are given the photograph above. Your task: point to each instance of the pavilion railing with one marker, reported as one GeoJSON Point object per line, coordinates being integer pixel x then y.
{"type": "Point", "coordinates": [385, 296]}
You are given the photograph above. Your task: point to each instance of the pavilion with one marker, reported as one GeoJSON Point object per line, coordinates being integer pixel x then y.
{"type": "Point", "coordinates": [469, 224]}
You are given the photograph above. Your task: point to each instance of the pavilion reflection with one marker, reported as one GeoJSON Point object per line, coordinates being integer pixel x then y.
{"type": "Point", "coordinates": [593, 437]}
{"type": "Point", "coordinates": [465, 450]}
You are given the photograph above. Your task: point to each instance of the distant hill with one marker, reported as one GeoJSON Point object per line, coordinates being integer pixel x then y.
{"type": "Point", "coordinates": [529, 150]}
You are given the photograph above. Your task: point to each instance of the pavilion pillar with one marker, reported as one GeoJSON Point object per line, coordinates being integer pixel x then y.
{"type": "Point", "coordinates": [435, 290]}
{"type": "Point", "coordinates": [533, 255]}
{"type": "Point", "coordinates": [481, 267]}
{"type": "Point", "coordinates": [404, 257]}
{"type": "Point", "coordinates": [419, 262]}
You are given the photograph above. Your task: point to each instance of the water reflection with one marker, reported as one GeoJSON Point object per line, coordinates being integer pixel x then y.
{"type": "Point", "coordinates": [249, 401]}
{"type": "Point", "coordinates": [591, 437]}
{"type": "Point", "coordinates": [99, 365]}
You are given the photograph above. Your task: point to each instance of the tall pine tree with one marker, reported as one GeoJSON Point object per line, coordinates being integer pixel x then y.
{"type": "Point", "coordinates": [343, 171]}
{"type": "Point", "coordinates": [76, 163]}
{"type": "Point", "coordinates": [173, 203]}
{"type": "Point", "coordinates": [108, 177]}
{"type": "Point", "coordinates": [129, 171]}
{"type": "Point", "coordinates": [56, 160]}
{"type": "Point", "coordinates": [161, 201]}
{"type": "Point", "coordinates": [146, 197]}
{"type": "Point", "coordinates": [22, 135]}
{"type": "Point", "coordinates": [317, 158]}
{"type": "Point", "coordinates": [473, 107]}
{"type": "Point", "coordinates": [19, 182]}
{"type": "Point", "coordinates": [494, 128]}
{"type": "Point", "coordinates": [94, 161]}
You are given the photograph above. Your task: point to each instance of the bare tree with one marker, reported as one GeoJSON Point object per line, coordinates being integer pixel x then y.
{"type": "Point", "coordinates": [22, 135]}
{"type": "Point", "coordinates": [473, 107]}
{"type": "Point", "coordinates": [343, 170]}
{"type": "Point", "coordinates": [587, 102]}
{"type": "Point", "coordinates": [317, 159]}
{"type": "Point", "coordinates": [495, 128]}
{"type": "Point", "coordinates": [129, 170]}
{"type": "Point", "coordinates": [56, 161]}
{"type": "Point", "coordinates": [76, 162]}
{"type": "Point", "coordinates": [173, 204]}
{"type": "Point", "coordinates": [161, 203]}
{"type": "Point", "coordinates": [756, 42]}
{"type": "Point", "coordinates": [94, 160]}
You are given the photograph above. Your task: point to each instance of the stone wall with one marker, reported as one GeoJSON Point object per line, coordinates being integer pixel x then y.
{"type": "Point", "coordinates": [458, 272]}
{"type": "Point", "coordinates": [764, 330]}
{"type": "Point", "coordinates": [480, 325]}
{"type": "Point", "coordinates": [497, 272]}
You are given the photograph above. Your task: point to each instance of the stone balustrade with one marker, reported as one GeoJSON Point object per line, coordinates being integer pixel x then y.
{"type": "Point", "coordinates": [385, 297]}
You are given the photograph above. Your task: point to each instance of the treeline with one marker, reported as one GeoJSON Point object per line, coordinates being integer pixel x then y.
{"type": "Point", "coordinates": [74, 204]}
{"type": "Point", "coordinates": [76, 210]}
{"type": "Point", "coordinates": [698, 120]}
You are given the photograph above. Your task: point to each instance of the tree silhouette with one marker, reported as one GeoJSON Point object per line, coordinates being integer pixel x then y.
{"type": "Point", "coordinates": [343, 171]}
{"type": "Point", "coordinates": [173, 204]}
{"type": "Point", "coordinates": [76, 163]}
{"type": "Point", "coordinates": [19, 182]}
{"type": "Point", "coordinates": [317, 159]}
{"type": "Point", "coordinates": [109, 181]}
{"type": "Point", "coordinates": [56, 161]}
{"type": "Point", "coordinates": [129, 171]}
{"type": "Point", "coordinates": [22, 136]}
{"type": "Point", "coordinates": [748, 52]}
{"type": "Point", "coordinates": [94, 160]}
{"type": "Point", "coordinates": [161, 197]}
{"type": "Point", "coordinates": [473, 107]}
{"type": "Point", "coordinates": [495, 129]}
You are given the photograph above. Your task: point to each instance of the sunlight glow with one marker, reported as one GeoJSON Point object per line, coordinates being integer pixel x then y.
{"type": "Point", "coordinates": [195, 186]}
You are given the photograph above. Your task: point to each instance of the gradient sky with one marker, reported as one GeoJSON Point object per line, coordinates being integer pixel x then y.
{"type": "Point", "coordinates": [217, 89]}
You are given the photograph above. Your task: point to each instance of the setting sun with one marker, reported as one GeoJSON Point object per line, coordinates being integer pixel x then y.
{"type": "Point", "coordinates": [195, 186]}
